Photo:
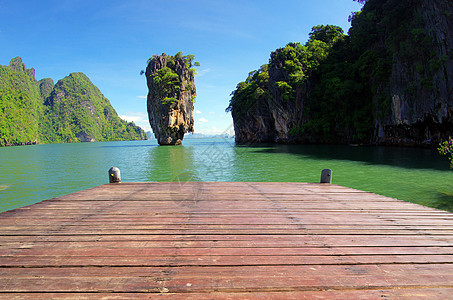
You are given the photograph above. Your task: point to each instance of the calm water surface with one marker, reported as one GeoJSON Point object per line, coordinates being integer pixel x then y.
{"type": "Point", "coordinates": [30, 174]}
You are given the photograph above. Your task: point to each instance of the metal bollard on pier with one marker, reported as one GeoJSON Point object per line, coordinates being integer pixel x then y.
{"type": "Point", "coordinates": [114, 175]}
{"type": "Point", "coordinates": [326, 176]}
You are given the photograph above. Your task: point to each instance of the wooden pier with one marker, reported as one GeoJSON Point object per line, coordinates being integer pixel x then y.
{"type": "Point", "coordinates": [225, 240]}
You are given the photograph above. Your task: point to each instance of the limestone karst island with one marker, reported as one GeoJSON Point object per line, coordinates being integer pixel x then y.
{"type": "Point", "coordinates": [171, 95]}
{"type": "Point", "coordinates": [41, 112]}
{"type": "Point", "coordinates": [387, 82]}
{"type": "Point", "coordinates": [337, 184]}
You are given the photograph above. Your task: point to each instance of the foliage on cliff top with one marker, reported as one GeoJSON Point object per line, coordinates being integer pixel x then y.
{"type": "Point", "coordinates": [297, 62]}
{"type": "Point", "coordinates": [167, 84]}
{"type": "Point", "coordinates": [17, 77]}
{"type": "Point", "coordinates": [20, 104]}
{"type": "Point", "coordinates": [188, 60]}
{"type": "Point", "coordinates": [248, 92]}
{"type": "Point", "coordinates": [446, 148]}
{"type": "Point", "coordinates": [349, 76]}
{"type": "Point", "coordinates": [169, 81]}
{"type": "Point", "coordinates": [351, 90]}
{"type": "Point", "coordinates": [80, 112]}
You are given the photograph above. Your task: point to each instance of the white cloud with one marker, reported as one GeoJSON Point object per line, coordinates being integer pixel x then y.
{"type": "Point", "coordinates": [212, 112]}
{"type": "Point", "coordinates": [203, 72]}
{"type": "Point", "coordinates": [198, 112]}
{"type": "Point", "coordinates": [142, 97]}
{"type": "Point", "coordinates": [212, 130]}
{"type": "Point", "coordinates": [202, 120]}
{"type": "Point", "coordinates": [134, 117]}
{"type": "Point", "coordinates": [139, 118]}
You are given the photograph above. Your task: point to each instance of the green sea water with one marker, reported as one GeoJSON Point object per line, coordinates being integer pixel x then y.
{"type": "Point", "coordinates": [30, 174]}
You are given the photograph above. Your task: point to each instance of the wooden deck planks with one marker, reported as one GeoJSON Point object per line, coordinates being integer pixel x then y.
{"type": "Point", "coordinates": [225, 241]}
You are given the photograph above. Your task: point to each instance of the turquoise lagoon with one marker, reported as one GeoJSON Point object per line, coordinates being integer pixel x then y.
{"type": "Point", "coordinates": [29, 174]}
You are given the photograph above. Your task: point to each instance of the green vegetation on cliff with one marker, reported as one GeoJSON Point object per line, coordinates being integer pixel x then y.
{"type": "Point", "coordinates": [387, 81]}
{"type": "Point", "coordinates": [446, 148]}
{"type": "Point", "coordinates": [167, 83]}
{"type": "Point", "coordinates": [73, 110]}
{"type": "Point", "coordinates": [20, 104]}
{"type": "Point", "coordinates": [81, 113]}
{"type": "Point", "coordinates": [171, 96]}
{"type": "Point", "coordinates": [248, 92]}
{"type": "Point", "coordinates": [18, 124]}
{"type": "Point", "coordinates": [383, 76]}
{"type": "Point", "coordinates": [297, 62]}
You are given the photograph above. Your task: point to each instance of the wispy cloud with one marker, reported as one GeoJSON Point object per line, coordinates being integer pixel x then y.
{"type": "Point", "coordinates": [202, 120]}
{"type": "Point", "coordinates": [142, 97]}
{"type": "Point", "coordinates": [214, 130]}
{"type": "Point", "coordinates": [198, 112]}
{"type": "Point", "coordinates": [134, 117]}
{"type": "Point", "coordinates": [203, 72]}
{"type": "Point", "coordinates": [139, 118]}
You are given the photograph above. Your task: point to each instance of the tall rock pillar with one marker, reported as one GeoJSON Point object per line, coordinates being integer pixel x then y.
{"type": "Point", "coordinates": [171, 86]}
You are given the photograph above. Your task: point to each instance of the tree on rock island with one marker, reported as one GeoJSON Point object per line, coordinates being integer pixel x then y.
{"type": "Point", "coordinates": [171, 85]}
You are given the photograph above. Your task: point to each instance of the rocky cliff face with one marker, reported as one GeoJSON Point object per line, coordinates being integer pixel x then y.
{"type": "Point", "coordinates": [421, 82]}
{"type": "Point", "coordinates": [252, 117]}
{"type": "Point", "coordinates": [389, 82]}
{"type": "Point", "coordinates": [269, 118]}
{"type": "Point", "coordinates": [256, 125]}
{"type": "Point", "coordinates": [286, 113]}
{"type": "Point", "coordinates": [171, 86]}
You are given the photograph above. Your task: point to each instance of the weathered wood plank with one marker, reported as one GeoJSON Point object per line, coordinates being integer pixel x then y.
{"type": "Point", "coordinates": [225, 279]}
{"type": "Point", "coordinates": [184, 251]}
{"type": "Point", "coordinates": [239, 241]}
{"type": "Point", "coordinates": [415, 293]}
{"type": "Point", "coordinates": [97, 258]}
{"type": "Point", "coordinates": [225, 241]}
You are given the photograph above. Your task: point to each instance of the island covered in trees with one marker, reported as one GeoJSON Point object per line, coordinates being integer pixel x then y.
{"type": "Point", "coordinates": [172, 92]}
{"type": "Point", "coordinates": [388, 81]}
{"type": "Point", "coordinates": [41, 112]}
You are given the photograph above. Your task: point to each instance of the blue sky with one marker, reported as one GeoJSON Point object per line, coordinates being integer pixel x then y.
{"type": "Point", "coordinates": [110, 41]}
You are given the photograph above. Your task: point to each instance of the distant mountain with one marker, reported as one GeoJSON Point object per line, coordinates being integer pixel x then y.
{"type": "Point", "coordinates": [72, 110]}
{"type": "Point", "coordinates": [20, 104]}
{"type": "Point", "coordinates": [197, 135]}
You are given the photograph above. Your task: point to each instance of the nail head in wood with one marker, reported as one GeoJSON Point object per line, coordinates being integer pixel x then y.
{"type": "Point", "coordinates": [326, 176]}
{"type": "Point", "coordinates": [114, 175]}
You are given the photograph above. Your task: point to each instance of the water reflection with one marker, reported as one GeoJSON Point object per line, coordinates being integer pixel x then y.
{"type": "Point", "coordinates": [33, 173]}
{"type": "Point", "coordinates": [444, 200]}
{"type": "Point", "coordinates": [170, 163]}
{"type": "Point", "coordinates": [214, 158]}
{"type": "Point", "coordinates": [404, 157]}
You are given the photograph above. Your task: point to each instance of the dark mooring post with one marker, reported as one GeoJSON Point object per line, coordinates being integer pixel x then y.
{"type": "Point", "coordinates": [326, 176]}
{"type": "Point", "coordinates": [114, 175]}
